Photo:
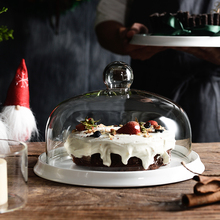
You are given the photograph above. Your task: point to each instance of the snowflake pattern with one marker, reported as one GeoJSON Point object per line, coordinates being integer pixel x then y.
{"type": "Point", "coordinates": [20, 79]}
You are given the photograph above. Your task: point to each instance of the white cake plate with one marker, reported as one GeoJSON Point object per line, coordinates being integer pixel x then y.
{"type": "Point", "coordinates": [63, 170]}
{"type": "Point", "coordinates": [176, 41]}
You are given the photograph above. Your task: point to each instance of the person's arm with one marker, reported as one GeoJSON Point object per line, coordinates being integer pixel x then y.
{"type": "Point", "coordinates": [112, 33]}
{"type": "Point", "coordinates": [108, 34]}
{"type": "Point", "coordinates": [114, 37]}
{"type": "Point", "coordinates": [110, 21]}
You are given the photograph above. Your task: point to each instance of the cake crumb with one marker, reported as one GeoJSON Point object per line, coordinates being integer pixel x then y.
{"type": "Point", "coordinates": [111, 137]}
{"type": "Point", "coordinates": [113, 132]}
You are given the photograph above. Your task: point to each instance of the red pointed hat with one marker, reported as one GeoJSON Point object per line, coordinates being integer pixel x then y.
{"type": "Point", "coordinates": [18, 92]}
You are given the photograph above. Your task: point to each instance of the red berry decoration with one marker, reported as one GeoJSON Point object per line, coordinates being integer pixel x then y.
{"type": "Point", "coordinates": [132, 127]}
{"type": "Point", "coordinates": [80, 127]}
{"type": "Point", "coordinates": [154, 123]}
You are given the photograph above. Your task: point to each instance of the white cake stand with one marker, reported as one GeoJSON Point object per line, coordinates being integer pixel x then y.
{"type": "Point", "coordinates": [61, 169]}
{"type": "Point", "coordinates": [176, 41]}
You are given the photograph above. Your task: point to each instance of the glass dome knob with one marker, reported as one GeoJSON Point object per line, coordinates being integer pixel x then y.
{"type": "Point", "coordinates": [118, 75]}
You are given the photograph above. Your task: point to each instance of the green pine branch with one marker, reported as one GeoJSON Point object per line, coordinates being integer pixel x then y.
{"type": "Point", "coordinates": [3, 10]}
{"type": "Point", "coordinates": [5, 33]}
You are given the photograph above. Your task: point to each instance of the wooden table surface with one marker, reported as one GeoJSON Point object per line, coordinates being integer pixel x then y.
{"type": "Point", "coordinates": [51, 200]}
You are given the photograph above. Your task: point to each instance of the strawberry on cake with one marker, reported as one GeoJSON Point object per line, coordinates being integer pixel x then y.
{"type": "Point", "coordinates": [133, 146]}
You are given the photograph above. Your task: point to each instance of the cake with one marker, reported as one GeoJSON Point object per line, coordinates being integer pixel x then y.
{"type": "Point", "coordinates": [134, 146]}
{"type": "Point", "coordinates": [155, 21]}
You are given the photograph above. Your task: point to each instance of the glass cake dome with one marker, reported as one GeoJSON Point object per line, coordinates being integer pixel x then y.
{"type": "Point", "coordinates": [116, 105]}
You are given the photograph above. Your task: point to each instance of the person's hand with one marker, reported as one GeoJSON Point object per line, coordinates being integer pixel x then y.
{"type": "Point", "coordinates": [137, 51]}
{"type": "Point", "coordinates": [114, 37]}
{"type": "Point", "coordinates": [210, 54]}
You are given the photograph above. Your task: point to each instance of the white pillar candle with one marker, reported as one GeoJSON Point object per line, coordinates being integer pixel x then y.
{"type": "Point", "coordinates": [3, 182]}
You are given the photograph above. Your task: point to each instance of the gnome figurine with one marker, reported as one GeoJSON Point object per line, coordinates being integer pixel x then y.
{"type": "Point", "coordinates": [3, 128]}
{"type": "Point", "coordinates": [4, 147]}
{"type": "Point", "coordinates": [18, 117]}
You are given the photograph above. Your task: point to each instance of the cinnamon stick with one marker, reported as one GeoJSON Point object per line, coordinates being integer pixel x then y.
{"type": "Point", "coordinates": [206, 184]}
{"type": "Point", "coordinates": [211, 187]}
{"type": "Point", "coordinates": [206, 179]}
{"type": "Point", "coordinates": [191, 200]}
{"type": "Point", "coordinates": [206, 190]}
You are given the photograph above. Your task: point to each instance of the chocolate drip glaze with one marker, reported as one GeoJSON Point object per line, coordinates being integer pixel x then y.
{"type": "Point", "coordinates": [210, 19]}
{"type": "Point", "coordinates": [216, 19]}
{"type": "Point", "coordinates": [198, 20]}
{"type": "Point", "coordinates": [186, 19]}
{"type": "Point", "coordinates": [134, 163]}
{"type": "Point", "coordinates": [204, 19]}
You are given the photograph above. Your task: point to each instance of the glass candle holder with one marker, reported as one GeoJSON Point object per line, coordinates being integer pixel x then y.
{"type": "Point", "coordinates": [13, 175]}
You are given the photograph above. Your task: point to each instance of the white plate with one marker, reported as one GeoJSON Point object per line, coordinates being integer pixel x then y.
{"type": "Point", "coordinates": [64, 170]}
{"type": "Point", "coordinates": [175, 41]}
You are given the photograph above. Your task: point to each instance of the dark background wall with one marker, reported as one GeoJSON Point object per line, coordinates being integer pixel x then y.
{"type": "Point", "coordinates": [60, 65]}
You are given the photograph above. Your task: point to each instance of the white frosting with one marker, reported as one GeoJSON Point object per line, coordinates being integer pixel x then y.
{"type": "Point", "coordinates": [145, 147]}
